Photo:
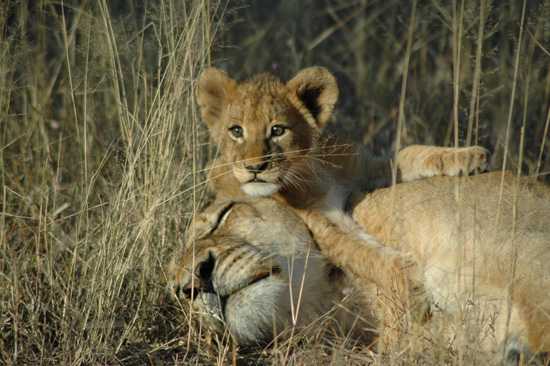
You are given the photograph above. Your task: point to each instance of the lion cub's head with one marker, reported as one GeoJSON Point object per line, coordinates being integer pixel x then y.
{"type": "Point", "coordinates": [266, 129]}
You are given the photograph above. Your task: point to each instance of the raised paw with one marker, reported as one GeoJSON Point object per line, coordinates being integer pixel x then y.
{"type": "Point", "coordinates": [418, 161]}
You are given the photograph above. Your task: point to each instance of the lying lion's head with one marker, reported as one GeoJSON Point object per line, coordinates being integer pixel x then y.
{"type": "Point", "coordinates": [266, 128]}
{"type": "Point", "coordinates": [254, 270]}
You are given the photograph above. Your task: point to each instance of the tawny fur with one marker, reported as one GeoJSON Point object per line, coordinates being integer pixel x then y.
{"type": "Point", "coordinates": [485, 238]}
{"type": "Point", "coordinates": [472, 247]}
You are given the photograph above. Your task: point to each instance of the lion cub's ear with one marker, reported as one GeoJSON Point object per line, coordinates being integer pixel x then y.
{"type": "Point", "coordinates": [317, 92]}
{"type": "Point", "coordinates": [213, 90]}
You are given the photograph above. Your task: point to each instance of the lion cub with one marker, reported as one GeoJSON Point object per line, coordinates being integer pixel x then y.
{"type": "Point", "coordinates": [270, 144]}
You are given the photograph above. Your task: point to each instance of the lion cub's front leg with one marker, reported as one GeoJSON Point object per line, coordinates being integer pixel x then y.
{"type": "Point", "coordinates": [395, 274]}
{"type": "Point", "coordinates": [421, 161]}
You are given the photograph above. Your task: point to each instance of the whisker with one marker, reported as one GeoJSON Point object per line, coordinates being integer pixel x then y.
{"type": "Point", "coordinates": [308, 153]}
{"type": "Point", "coordinates": [294, 179]}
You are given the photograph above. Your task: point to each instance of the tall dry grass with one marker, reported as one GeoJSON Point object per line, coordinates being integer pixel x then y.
{"type": "Point", "coordinates": [100, 171]}
{"type": "Point", "coordinates": [102, 153]}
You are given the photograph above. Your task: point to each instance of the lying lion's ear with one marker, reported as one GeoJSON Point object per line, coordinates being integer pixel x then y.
{"type": "Point", "coordinates": [213, 90]}
{"type": "Point", "coordinates": [317, 92]}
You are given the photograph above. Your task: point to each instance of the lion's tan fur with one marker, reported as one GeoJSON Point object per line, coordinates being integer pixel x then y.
{"type": "Point", "coordinates": [475, 249]}
{"type": "Point", "coordinates": [473, 242]}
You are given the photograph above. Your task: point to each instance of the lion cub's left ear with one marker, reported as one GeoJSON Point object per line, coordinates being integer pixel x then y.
{"type": "Point", "coordinates": [317, 92]}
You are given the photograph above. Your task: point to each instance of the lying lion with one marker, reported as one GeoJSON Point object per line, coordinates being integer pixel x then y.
{"type": "Point", "coordinates": [256, 270]}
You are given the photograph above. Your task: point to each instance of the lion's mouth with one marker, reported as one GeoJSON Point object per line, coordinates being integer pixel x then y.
{"type": "Point", "coordinates": [191, 292]}
{"type": "Point", "coordinates": [244, 175]}
{"type": "Point", "coordinates": [270, 176]}
{"type": "Point", "coordinates": [257, 180]}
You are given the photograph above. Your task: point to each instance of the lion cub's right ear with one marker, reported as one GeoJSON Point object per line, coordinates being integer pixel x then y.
{"type": "Point", "coordinates": [317, 93]}
{"type": "Point", "coordinates": [213, 90]}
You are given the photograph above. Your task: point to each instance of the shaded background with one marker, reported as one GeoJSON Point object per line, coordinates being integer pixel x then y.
{"type": "Point", "coordinates": [364, 44]}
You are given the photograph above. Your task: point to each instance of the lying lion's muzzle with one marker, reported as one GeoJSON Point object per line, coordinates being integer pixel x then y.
{"type": "Point", "coordinates": [233, 285]}
{"type": "Point", "coordinates": [224, 272]}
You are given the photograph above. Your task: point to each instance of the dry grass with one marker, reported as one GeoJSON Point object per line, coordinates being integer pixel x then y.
{"type": "Point", "coordinates": [101, 150]}
{"type": "Point", "coordinates": [100, 156]}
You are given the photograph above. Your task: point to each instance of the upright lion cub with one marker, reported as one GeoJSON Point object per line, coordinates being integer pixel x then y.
{"type": "Point", "coordinates": [269, 138]}
{"type": "Point", "coordinates": [270, 144]}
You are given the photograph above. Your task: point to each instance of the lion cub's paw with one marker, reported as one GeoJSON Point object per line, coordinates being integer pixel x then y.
{"type": "Point", "coordinates": [405, 304]}
{"type": "Point", "coordinates": [408, 287]}
{"type": "Point", "coordinates": [417, 161]}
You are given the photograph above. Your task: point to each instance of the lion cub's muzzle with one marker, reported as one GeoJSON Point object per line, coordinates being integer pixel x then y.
{"type": "Point", "coordinates": [260, 179]}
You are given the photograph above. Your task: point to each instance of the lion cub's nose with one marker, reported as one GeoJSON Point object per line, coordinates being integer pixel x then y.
{"type": "Point", "coordinates": [258, 168]}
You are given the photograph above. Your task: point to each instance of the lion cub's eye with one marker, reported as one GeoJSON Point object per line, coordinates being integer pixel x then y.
{"type": "Point", "coordinates": [236, 131]}
{"type": "Point", "coordinates": [278, 130]}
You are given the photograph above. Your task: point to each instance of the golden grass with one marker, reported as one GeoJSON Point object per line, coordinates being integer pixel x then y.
{"type": "Point", "coordinates": [102, 152]}
{"type": "Point", "coordinates": [100, 148]}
